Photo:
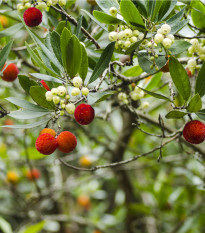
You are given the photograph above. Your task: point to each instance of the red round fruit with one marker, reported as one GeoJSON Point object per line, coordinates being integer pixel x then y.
{"type": "Point", "coordinates": [194, 132]}
{"type": "Point", "coordinates": [33, 174]}
{"type": "Point", "coordinates": [189, 73]}
{"type": "Point", "coordinates": [84, 114]}
{"type": "Point", "coordinates": [46, 144]}
{"type": "Point", "coordinates": [32, 17]}
{"type": "Point", "coordinates": [66, 141]}
{"type": "Point", "coordinates": [10, 73]}
{"type": "Point", "coordinates": [45, 85]}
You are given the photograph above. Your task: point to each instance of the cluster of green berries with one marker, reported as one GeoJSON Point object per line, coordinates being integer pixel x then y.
{"type": "Point", "coordinates": [39, 4]}
{"type": "Point", "coordinates": [60, 96]}
{"type": "Point", "coordinates": [163, 37]}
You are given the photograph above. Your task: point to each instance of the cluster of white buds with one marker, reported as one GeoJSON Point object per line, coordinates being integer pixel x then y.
{"type": "Point", "coordinates": [137, 94]}
{"type": "Point", "coordinates": [77, 83]}
{"type": "Point", "coordinates": [113, 11]}
{"type": "Point", "coordinates": [164, 37]}
{"type": "Point", "coordinates": [125, 37]}
{"type": "Point", "coordinates": [144, 105]}
{"type": "Point", "coordinates": [40, 4]}
{"type": "Point", "coordinates": [123, 97]}
{"type": "Point", "coordinates": [197, 48]}
{"type": "Point", "coordinates": [192, 65]}
{"type": "Point", "coordinates": [60, 97]}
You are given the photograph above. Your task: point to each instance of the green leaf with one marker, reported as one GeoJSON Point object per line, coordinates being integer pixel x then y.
{"type": "Point", "coordinates": [26, 83]}
{"type": "Point", "coordinates": [73, 57]}
{"type": "Point", "coordinates": [33, 153]}
{"type": "Point", "coordinates": [38, 95]}
{"type": "Point", "coordinates": [198, 14]}
{"type": "Point", "coordinates": [84, 63]}
{"type": "Point", "coordinates": [130, 13]}
{"type": "Point", "coordinates": [195, 104]}
{"type": "Point", "coordinates": [155, 11]}
{"type": "Point", "coordinates": [64, 41]}
{"type": "Point", "coordinates": [103, 62]}
{"type": "Point", "coordinates": [166, 9]}
{"type": "Point", "coordinates": [200, 81]}
{"type": "Point", "coordinates": [153, 83]}
{"type": "Point", "coordinates": [145, 62]}
{"type": "Point", "coordinates": [176, 18]}
{"type": "Point", "coordinates": [55, 43]}
{"type": "Point", "coordinates": [105, 5]}
{"type": "Point", "coordinates": [24, 114]}
{"type": "Point", "coordinates": [27, 126]}
{"type": "Point", "coordinates": [78, 29]}
{"type": "Point", "coordinates": [35, 228]}
{"type": "Point", "coordinates": [99, 96]}
{"type": "Point", "coordinates": [201, 114]}
{"type": "Point", "coordinates": [179, 46]}
{"type": "Point", "coordinates": [133, 47]}
{"type": "Point", "coordinates": [179, 26]}
{"type": "Point", "coordinates": [133, 71]}
{"type": "Point", "coordinates": [105, 18]}
{"type": "Point", "coordinates": [38, 61]}
{"type": "Point", "coordinates": [180, 78]}
{"type": "Point", "coordinates": [62, 25]}
{"type": "Point", "coordinates": [5, 226]}
{"type": "Point", "coordinates": [46, 78]}
{"type": "Point", "coordinates": [11, 30]}
{"type": "Point", "coordinates": [25, 104]}
{"type": "Point", "coordinates": [158, 96]}
{"type": "Point", "coordinates": [94, 19]}
{"type": "Point", "coordinates": [5, 53]}
{"type": "Point", "coordinates": [175, 114]}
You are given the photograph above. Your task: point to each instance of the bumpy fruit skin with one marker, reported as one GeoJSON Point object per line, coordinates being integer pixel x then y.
{"type": "Point", "coordinates": [32, 17]}
{"type": "Point", "coordinates": [66, 141]}
{"type": "Point", "coordinates": [46, 144]}
{"type": "Point", "coordinates": [12, 177]}
{"type": "Point", "coordinates": [10, 73]}
{"type": "Point", "coordinates": [194, 132]}
{"type": "Point", "coordinates": [48, 130]}
{"type": "Point", "coordinates": [33, 174]}
{"type": "Point", "coordinates": [45, 85]}
{"type": "Point", "coordinates": [84, 114]}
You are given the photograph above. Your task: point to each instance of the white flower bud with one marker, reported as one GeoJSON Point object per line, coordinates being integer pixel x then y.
{"type": "Point", "coordinates": [77, 82]}
{"type": "Point", "coordinates": [49, 2]}
{"type": "Point", "coordinates": [61, 90]}
{"type": "Point", "coordinates": [145, 105]}
{"type": "Point", "coordinates": [165, 29]}
{"type": "Point", "coordinates": [122, 96]}
{"type": "Point", "coordinates": [75, 91]}
{"type": "Point", "coordinates": [56, 100]}
{"type": "Point", "coordinates": [41, 6]}
{"type": "Point", "coordinates": [54, 91]}
{"type": "Point", "coordinates": [158, 38]}
{"type": "Point", "coordinates": [159, 31]}
{"type": "Point", "coordinates": [191, 50]}
{"type": "Point", "coordinates": [171, 37]}
{"type": "Point", "coordinates": [133, 39]}
{"type": "Point", "coordinates": [194, 42]}
{"type": "Point", "coordinates": [63, 106]}
{"type": "Point", "coordinates": [27, 5]}
{"type": "Point", "coordinates": [67, 97]}
{"type": "Point", "coordinates": [167, 43]}
{"type": "Point", "coordinates": [70, 108]}
{"type": "Point", "coordinates": [113, 36]}
{"type": "Point", "coordinates": [85, 91]}
{"type": "Point", "coordinates": [141, 36]}
{"type": "Point", "coordinates": [20, 7]}
{"type": "Point", "coordinates": [62, 2]}
{"type": "Point", "coordinates": [121, 35]}
{"type": "Point", "coordinates": [202, 57]}
{"type": "Point", "coordinates": [128, 33]}
{"type": "Point", "coordinates": [134, 96]}
{"type": "Point", "coordinates": [113, 11]}
{"type": "Point", "coordinates": [149, 44]}
{"type": "Point", "coordinates": [49, 96]}
{"type": "Point", "coordinates": [127, 44]}
{"type": "Point", "coordinates": [135, 33]}
{"type": "Point", "coordinates": [191, 63]}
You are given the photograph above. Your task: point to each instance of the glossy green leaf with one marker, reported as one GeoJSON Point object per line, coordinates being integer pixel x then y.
{"type": "Point", "coordinates": [78, 29]}
{"type": "Point", "coordinates": [103, 62]}
{"type": "Point", "coordinates": [46, 78]}
{"type": "Point", "coordinates": [200, 81]}
{"type": "Point", "coordinates": [166, 8]}
{"type": "Point", "coordinates": [133, 47]}
{"type": "Point", "coordinates": [177, 27]}
{"type": "Point", "coordinates": [24, 114]}
{"type": "Point", "coordinates": [195, 104]}
{"type": "Point", "coordinates": [176, 18]}
{"type": "Point", "coordinates": [38, 95]}
{"type": "Point", "coordinates": [175, 114]}
{"type": "Point", "coordinates": [11, 30]}
{"type": "Point", "coordinates": [62, 25]}
{"type": "Point", "coordinates": [154, 81]}
{"type": "Point", "coordinates": [99, 96]}
{"type": "Point", "coordinates": [198, 14]}
{"type": "Point", "coordinates": [156, 95]}
{"type": "Point", "coordinates": [130, 13]}
{"type": "Point", "coordinates": [5, 53]}
{"type": "Point", "coordinates": [25, 104]}
{"type": "Point", "coordinates": [27, 126]}
{"type": "Point", "coordinates": [26, 83]}
{"type": "Point", "coordinates": [179, 46]}
{"type": "Point", "coordinates": [105, 18]}
{"type": "Point", "coordinates": [84, 63]}
{"type": "Point", "coordinates": [180, 78]}
{"type": "Point", "coordinates": [55, 43]}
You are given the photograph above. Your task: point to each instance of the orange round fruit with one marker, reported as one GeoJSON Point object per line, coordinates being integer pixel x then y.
{"type": "Point", "coordinates": [66, 141]}
{"type": "Point", "coordinates": [46, 144]}
{"type": "Point", "coordinates": [10, 73]}
{"type": "Point", "coordinates": [48, 130]}
{"type": "Point", "coordinates": [85, 161]}
{"type": "Point", "coordinates": [84, 201]}
{"type": "Point", "coordinates": [4, 21]}
{"type": "Point", "coordinates": [33, 174]}
{"type": "Point", "coordinates": [12, 177]}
